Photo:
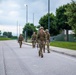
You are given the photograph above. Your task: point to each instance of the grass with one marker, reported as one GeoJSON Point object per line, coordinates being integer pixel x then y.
{"type": "Point", "coordinates": [3, 38]}
{"type": "Point", "coordinates": [68, 45]}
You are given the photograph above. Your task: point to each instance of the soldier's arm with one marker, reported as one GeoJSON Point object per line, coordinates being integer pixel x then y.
{"type": "Point", "coordinates": [45, 37]}
{"type": "Point", "coordinates": [38, 36]}
{"type": "Point", "coordinates": [22, 38]}
{"type": "Point", "coordinates": [49, 37]}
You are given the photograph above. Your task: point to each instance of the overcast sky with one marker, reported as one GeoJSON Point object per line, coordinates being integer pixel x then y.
{"type": "Point", "coordinates": [12, 11]}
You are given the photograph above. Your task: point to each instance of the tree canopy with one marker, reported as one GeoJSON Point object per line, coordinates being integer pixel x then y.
{"type": "Point", "coordinates": [71, 14]}
{"type": "Point", "coordinates": [0, 32]}
{"type": "Point", "coordinates": [44, 22]}
{"type": "Point", "coordinates": [8, 34]}
{"type": "Point", "coordinates": [61, 18]}
{"type": "Point", "coordinates": [29, 28]}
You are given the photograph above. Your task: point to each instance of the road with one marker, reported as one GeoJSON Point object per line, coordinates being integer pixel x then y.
{"type": "Point", "coordinates": [25, 61]}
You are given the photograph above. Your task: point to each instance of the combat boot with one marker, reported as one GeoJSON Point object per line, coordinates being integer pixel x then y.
{"type": "Point", "coordinates": [20, 45]}
{"type": "Point", "coordinates": [41, 55]}
{"type": "Point", "coordinates": [48, 51]}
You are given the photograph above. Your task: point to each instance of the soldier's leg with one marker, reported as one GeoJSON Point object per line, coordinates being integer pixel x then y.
{"type": "Point", "coordinates": [44, 47]}
{"type": "Point", "coordinates": [20, 44]}
{"type": "Point", "coordinates": [34, 44]}
{"type": "Point", "coordinates": [40, 51]}
{"type": "Point", "coordinates": [48, 47]}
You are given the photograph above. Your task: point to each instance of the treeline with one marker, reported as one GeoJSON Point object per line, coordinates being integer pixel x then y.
{"type": "Point", "coordinates": [65, 18]}
{"type": "Point", "coordinates": [7, 35]}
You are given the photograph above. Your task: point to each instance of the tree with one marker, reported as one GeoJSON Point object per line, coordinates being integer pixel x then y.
{"type": "Point", "coordinates": [0, 32]}
{"type": "Point", "coordinates": [29, 28]}
{"type": "Point", "coordinates": [44, 22]}
{"type": "Point", "coordinates": [7, 34]}
{"type": "Point", "coordinates": [61, 19]}
{"type": "Point", "coordinates": [71, 14]}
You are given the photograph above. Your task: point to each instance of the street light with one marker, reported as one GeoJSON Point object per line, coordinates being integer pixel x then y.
{"type": "Point", "coordinates": [26, 21]}
{"type": "Point", "coordinates": [19, 29]}
{"type": "Point", "coordinates": [26, 13]}
{"type": "Point", "coordinates": [49, 15]}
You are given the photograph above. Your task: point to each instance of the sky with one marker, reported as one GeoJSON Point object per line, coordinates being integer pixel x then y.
{"type": "Point", "coordinates": [13, 12]}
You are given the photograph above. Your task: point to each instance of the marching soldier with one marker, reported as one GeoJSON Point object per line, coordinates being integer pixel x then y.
{"type": "Point", "coordinates": [41, 41]}
{"type": "Point", "coordinates": [34, 38]}
{"type": "Point", "coordinates": [20, 39]}
{"type": "Point", "coordinates": [47, 40]}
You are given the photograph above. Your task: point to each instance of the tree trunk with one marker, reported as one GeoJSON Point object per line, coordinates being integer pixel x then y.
{"type": "Point", "coordinates": [67, 36]}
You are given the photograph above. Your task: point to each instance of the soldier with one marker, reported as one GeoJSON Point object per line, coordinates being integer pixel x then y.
{"type": "Point", "coordinates": [47, 40]}
{"type": "Point", "coordinates": [41, 40]}
{"type": "Point", "coordinates": [34, 38]}
{"type": "Point", "coordinates": [20, 39]}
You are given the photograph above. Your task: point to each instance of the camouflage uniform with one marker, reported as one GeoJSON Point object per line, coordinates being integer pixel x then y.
{"type": "Point", "coordinates": [44, 42]}
{"type": "Point", "coordinates": [47, 40]}
{"type": "Point", "coordinates": [34, 38]}
{"type": "Point", "coordinates": [41, 41]}
{"type": "Point", "coordinates": [20, 39]}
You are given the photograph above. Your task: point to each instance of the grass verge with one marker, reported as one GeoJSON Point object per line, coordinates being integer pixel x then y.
{"type": "Point", "coordinates": [3, 38]}
{"type": "Point", "coordinates": [68, 45]}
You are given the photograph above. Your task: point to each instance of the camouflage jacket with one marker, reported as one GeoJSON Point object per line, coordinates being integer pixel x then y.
{"type": "Point", "coordinates": [20, 38]}
{"type": "Point", "coordinates": [34, 37]}
{"type": "Point", "coordinates": [41, 36]}
{"type": "Point", "coordinates": [47, 36]}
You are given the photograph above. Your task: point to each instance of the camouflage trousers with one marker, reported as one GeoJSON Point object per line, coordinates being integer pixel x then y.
{"type": "Point", "coordinates": [47, 44]}
{"type": "Point", "coordinates": [33, 43]}
{"type": "Point", "coordinates": [20, 44]}
{"type": "Point", "coordinates": [42, 48]}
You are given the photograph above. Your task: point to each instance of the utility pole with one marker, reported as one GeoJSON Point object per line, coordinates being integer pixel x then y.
{"type": "Point", "coordinates": [17, 29]}
{"type": "Point", "coordinates": [33, 18]}
{"type": "Point", "coordinates": [49, 15]}
{"type": "Point", "coordinates": [26, 14]}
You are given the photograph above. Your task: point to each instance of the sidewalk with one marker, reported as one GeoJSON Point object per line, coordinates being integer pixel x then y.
{"type": "Point", "coordinates": [64, 51]}
{"type": "Point", "coordinates": [59, 50]}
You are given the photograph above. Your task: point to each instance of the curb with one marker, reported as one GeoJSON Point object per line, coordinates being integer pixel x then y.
{"type": "Point", "coordinates": [56, 51]}
{"type": "Point", "coordinates": [64, 53]}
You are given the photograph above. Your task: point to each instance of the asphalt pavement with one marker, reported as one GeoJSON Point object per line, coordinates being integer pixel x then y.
{"type": "Point", "coordinates": [25, 61]}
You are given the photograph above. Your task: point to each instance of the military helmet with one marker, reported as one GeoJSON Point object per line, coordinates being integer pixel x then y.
{"type": "Point", "coordinates": [41, 27]}
{"type": "Point", "coordinates": [47, 30]}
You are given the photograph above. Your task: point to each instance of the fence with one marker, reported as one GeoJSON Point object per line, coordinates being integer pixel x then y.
{"type": "Point", "coordinates": [62, 37]}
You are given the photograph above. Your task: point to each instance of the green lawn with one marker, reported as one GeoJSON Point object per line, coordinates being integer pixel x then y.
{"type": "Point", "coordinates": [3, 38]}
{"type": "Point", "coordinates": [68, 45]}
